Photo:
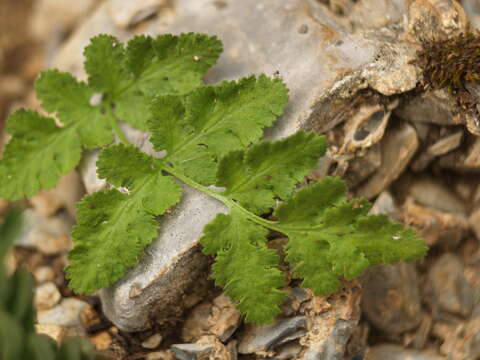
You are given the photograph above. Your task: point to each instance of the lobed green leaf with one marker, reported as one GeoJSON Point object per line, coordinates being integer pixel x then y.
{"type": "Point", "coordinates": [113, 228]}
{"type": "Point", "coordinates": [214, 120]}
{"type": "Point", "coordinates": [269, 169]}
{"type": "Point", "coordinates": [37, 156]}
{"type": "Point", "coordinates": [244, 265]}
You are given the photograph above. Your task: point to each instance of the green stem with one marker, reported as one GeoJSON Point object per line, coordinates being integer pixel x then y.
{"type": "Point", "coordinates": [231, 204]}
{"type": "Point", "coordinates": [114, 124]}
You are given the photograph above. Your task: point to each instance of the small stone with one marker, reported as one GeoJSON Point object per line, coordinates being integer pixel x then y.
{"type": "Point", "coordinates": [446, 144]}
{"type": "Point", "coordinates": [225, 318]}
{"type": "Point", "coordinates": [89, 317]}
{"type": "Point", "coordinates": [50, 235]}
{"type": "Point", "coordinates": [43, 274]}
{"type": "Point", "coordinates": [46, 296]}
{"type": "Point", "coordinates": [56, 332]}
{"type": "Point", "coordinates": [152, 342]}
{"type": "Point", "coordinates": [101, 341]}
{"type": "Point", "coordinates": [219, 318]}
{"type": "Point", "coordinates": [66, 314]}
{"type": "Point", "coordinates": [208, 347]}
{"type": "Point", "coordinates": [261, 338]}
{"type": "Point", "coordinates": [391, 297]}
{"type": "Point", "coordinates": [191, 351]}
{"type": "Point", "coordinates": [433, 194]}
{"type": "Point", "coordinates": [437, 227]}
{"type": "Point", "coordinates": [448, 287]}
{"type": "Point", "coordinates": [396, 352]}
{"type": "Point", "coordinates": [397, 147]}
{"type": "Point", "coordinates": [385, 204]}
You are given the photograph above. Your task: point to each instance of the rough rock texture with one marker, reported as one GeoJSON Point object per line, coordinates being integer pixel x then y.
{"type": "Point", "coordinates": [326, 87]}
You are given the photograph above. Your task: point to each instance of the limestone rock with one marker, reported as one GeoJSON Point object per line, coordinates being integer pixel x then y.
{"type": "Point", "coordinates": [327, 85]}
{"type": "Point", "coordinates": [398, 147]}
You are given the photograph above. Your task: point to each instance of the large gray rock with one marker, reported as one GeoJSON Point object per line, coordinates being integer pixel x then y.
{"type": "Point", "coordinates": [329, 68]}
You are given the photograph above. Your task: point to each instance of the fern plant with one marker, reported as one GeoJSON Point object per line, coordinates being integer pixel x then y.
{"type": "Point", "coordinates": [211, 136]}
{"type": "Point", "coordinates": [18, 339]}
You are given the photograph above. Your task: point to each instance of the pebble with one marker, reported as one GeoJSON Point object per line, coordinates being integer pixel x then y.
{"type": "Point", "coordinates": [66, 314]}
{"type": "Point", "coordinates": [43, 274]}
{"type": "Point", "coordinates": [208, 347]}
{"type": "Point", "coordinates": [56, 332]}
{"type": "Point", "coordinates": [102, 340]}
{"type": "Point", "coordinates": [449, 289]}
{"type": "Point", "coordinates": [432, 193]}
{"type": "Point", "coordinates": [391, 297]}
{"type": "Point", "coordinates": [261, 338]}
{"type": "Point", "coordinates": [398, 146]}
{"type": "Point", "coordinates": [437, 227]}
{"type": "Point", "coordinates": [219, 318]}
{"type": "Point", "coordinates": [46, 296]}
{"type": "Point", "coordinates": [152, 342]}
{"type": "Point", "coordinates": [49, 235]}
{"type": "Point", "coordinates": [396, 352]}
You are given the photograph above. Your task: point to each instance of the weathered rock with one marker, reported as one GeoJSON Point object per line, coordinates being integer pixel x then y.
{"type": "Point", "coordinates": [66, 314]}
{"type": "Point", "coordinates": [208, 347]}
{"type": "Point", "coordinates": [102, 340]}
{"type": "Point", "coordinates": [437, 227]}
{"type": "Point", "coordinates": [219, 318]}
{"type": "Point", "coordinates": [46, 296]}
{"type": "Point", "coordinates": [332, 324]}
{"type": "Point", "coordinates": [391, 297]}
{"type": "Point", "coordinates": [261, 338]}
{"type": "Point", "coordinates": [430, 107]}
{"type": "Point", "coordinates": [448, 287]}
{"type": "Point", "coordinates": [50, 235]}
{"type": "Point", "coordinates": [396, 352]}
{"type": "Point", "coordinates": [152, 342]}
{"type": "Point", "coordinates": [127, 13]}
{"type": "Point", "coordinates": [432, 193]}
{"type": "Point", "coordinates": [328, 85]}
{"type": "Point", "coordinates": [398, 146]}
{"type": "Point", "coordinates": [363, 165]}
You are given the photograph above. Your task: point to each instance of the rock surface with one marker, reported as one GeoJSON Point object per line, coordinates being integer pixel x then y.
{"type": "Point", "coordinates": [335, 66]}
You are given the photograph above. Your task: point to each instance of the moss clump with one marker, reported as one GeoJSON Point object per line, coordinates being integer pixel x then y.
{"type": "Point", "coordinates": [453, 64]}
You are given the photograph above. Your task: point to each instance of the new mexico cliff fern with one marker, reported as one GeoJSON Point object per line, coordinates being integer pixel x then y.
{"type": "Point", "coordinates": [211, 136]}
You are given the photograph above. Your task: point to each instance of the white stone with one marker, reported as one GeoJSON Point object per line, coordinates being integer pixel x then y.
{"type": "Point", "coordinates": [66, 314]}
{"type": "Point", "coordinates": [46, 296]}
